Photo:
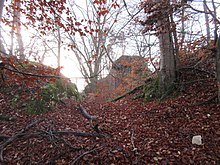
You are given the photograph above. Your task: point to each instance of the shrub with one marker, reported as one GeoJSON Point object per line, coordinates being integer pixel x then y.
{"type": "Point", "coordinates": [50, 94]}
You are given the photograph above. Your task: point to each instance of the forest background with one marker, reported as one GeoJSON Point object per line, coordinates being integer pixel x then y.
{"type": "Point", "coordinates": [122, 35]}
{"type": "Point", "coordinates": [152, 75]}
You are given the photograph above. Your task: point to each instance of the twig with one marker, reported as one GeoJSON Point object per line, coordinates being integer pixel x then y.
{"type": "Point", "coordinates": [15, 137]}
{"type": "Point", "coordinates": [208, 101]}
{"type": "Point", "coordinates": [52, 135]}
{"type": "Point", "coordinates": [126, 7]}
{"type": "Point", "coordinates": [85, 153]}
{"type": "Point", "coordinates": [82, 134]}
{"type": "Point", "coordinates": [135, 150]}
{"type": "Point", "coordinates": [210, 12]}
{"type": "Point", "coordinates": [62, 154]}
{"type": "Point", "coordinates": [130, 19]}
{"type": "Point", "coordinates": [65, 132]}
{"type": "Point", "coordinates": [132, 142]}
{"type": "Point", "coordinates": [7, 118]}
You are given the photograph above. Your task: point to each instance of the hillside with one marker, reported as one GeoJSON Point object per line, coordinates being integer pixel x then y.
{"type": "Point", "coordinates": [126, 131]}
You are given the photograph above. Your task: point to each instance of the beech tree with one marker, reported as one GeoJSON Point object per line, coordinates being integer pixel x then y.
{"type": "Point", "coordinates": [206, 20]}
{"type": "Point", "coordinates": [167, 58]}
{"type": "Point", "coordinates": [1, 11]}
{"type": "Point", "coordinates": [1, 7]}
{"type": "Point", "coordinates": [16, 31]}
{"type": "Point", "coordinates": [159, 19]}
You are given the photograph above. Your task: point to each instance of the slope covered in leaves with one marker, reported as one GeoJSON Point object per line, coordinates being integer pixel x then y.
{"type": "Point", "coordinates": [125, 132]}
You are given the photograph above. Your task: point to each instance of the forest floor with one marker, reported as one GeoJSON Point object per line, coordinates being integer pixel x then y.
{"type": "Point", "coordinates": [126, 131]}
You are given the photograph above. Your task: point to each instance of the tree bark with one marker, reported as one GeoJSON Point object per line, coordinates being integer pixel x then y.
{"type": "Point", "coordinates": [2, 48]}
{"type": "Point", "coordinates": [1, 7]}
{"type": "Point", "coordinates": [17, 23]}
{"type": "Point", "coordinates": [59, 47]}
{"type": "Point", "coordinates": [218, 66]}
{"type": "Point", "coordinates": [167, 74]}
{"type": "Point", "coordinates": [206, 20]}
{"type": "Point", "coordinates": [167, 62]}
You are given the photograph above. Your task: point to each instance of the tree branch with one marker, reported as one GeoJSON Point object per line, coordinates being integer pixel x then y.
{"type": "Point", "coordinates": [85, 114]}
{"type": "Point", "coordinates": [15, 137]}
{"type": "Point", "coordinates": [30, 74]}
{"type": "Point", "coordinates": [210, 12]}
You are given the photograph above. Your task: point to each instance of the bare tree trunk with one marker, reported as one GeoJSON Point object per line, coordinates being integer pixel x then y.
{"type": "Point", "coordinates": [182, 28]}
{"type": "Point", "coordinates": [12, 39]}
{"type": "Point", "coordinates": [167, 57]}
{"type": "Point", "coordinates": [17, 16]}
{"type": "Point", "coordinates": [1, 7]}
{"type": "Point", "coordinates": [215, 21]}
{"type": "Point", "coordinates": [2, 48]}
{"type": "Point", "coordinates": [206, 20]}
{"type": "Point", "coordinates": [59, 47]}
{"type": "Point", "coordinates": [167, 62]}
{"type": "Point", "coordinates": [217, 44]}
{"type": "Point", "coordinates": [176, 45]}
{"type": "Point", "coordinates": [90, 50]}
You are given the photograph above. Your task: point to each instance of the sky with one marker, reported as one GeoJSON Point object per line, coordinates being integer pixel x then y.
{"type": "Point", "coordinates": [70, 68]}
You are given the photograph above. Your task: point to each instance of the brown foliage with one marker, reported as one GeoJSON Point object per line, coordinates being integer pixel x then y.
{"type": "Point", "coordinates": [127, 73]}
{"type": "Point", "coordinates": [143, 133]}
{"type": "Point", "coordinates": [25, 78]}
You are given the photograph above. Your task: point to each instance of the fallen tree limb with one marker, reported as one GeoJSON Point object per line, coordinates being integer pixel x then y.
{"type": "Point", "coordinates": [76, 133]}
{"type": "Point", "coordinates": [65, 132]}
{"type": "Point", "coordinates": [208, 101]}
{"type": "Point", "coordinates": [82, 155]}
{"type": "Point", "coordinates": [85, 114]}
{"type": "Point", "coordinates": [45, 133]}
{"type": "Point", "coordinates": [197, 69]}
{"type": "Point", "coordinates": [3, 137]}
{"type": "Point", "coordinates": [31, 74]}
{"type": "Point", "coordinates": [7, 118]}
{"type": "Point", "coordinates": [15, 137]}
{"type": "Point", "coordinates": [128, 93]}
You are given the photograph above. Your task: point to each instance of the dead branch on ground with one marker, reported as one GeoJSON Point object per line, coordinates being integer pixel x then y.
{"type": "Point", "coordinates": [128, 93]}
{"type": "Point", "coordinates": [15, 137]}
{"type": "Point", "coordinates": [85, 114]}
{"type": "Point", "coordinates": [48, 132]}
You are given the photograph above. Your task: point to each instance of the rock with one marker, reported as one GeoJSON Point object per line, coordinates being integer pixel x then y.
{"type": "Point", "coordinates": [197, 140]}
